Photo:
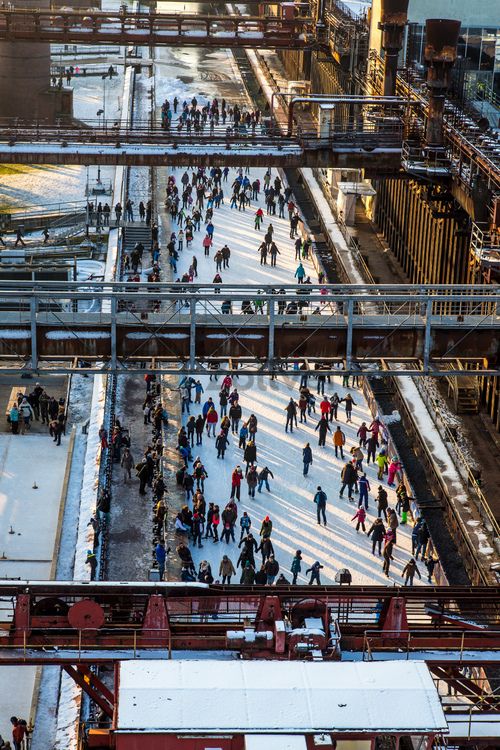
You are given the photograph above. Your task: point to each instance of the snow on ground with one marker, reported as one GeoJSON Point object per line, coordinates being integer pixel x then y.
{"type": "Point", "coordinates": [290, 502]}
{"type": "Point", "coordinates": [32, 514]}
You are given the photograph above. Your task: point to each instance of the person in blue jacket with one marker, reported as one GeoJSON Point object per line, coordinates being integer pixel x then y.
{"type": "Point", "coordinates": [206, 407]}
{"type": "Point", "coordinates": [161, 556]}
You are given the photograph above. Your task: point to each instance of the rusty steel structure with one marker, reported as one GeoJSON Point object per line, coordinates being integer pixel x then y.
{"type": "Point", "coordinates": [440, 55]}
{"type": "Point", "coordinates": [48, 325]}
{"type": "Point", "coordinates": [393, 20]}
{"type": "Point", "coordinates": [357, 142]}
{"type": "Point", "coordinates": [98, 622]}
{"type": "Point", "coordinates": [175, 29]}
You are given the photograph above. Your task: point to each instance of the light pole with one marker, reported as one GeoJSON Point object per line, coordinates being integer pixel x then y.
{"type": "Point", "coordinates": [104, 99]}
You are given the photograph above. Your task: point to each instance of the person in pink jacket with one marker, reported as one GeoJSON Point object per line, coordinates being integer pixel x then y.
{"type": "Point", "coordinates": [361, 516]}
{"type": "Point", "coordinates": [212, 419]}
{"type": "Point", "coordinates": [394, 467]}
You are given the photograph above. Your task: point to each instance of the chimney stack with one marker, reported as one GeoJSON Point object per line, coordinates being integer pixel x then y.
{"type": "Point", "coordinates": [441, 39]}
{"type": "Point", "coordinates": [393, 19]}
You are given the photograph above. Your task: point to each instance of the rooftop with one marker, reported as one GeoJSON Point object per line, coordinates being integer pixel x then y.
{"type": "Point", "coordinates": [277, 696]}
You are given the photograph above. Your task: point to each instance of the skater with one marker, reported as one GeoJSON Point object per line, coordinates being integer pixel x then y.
{"type": "Point", "coordinates": [362, 433]}
{"type": "Point", "coordinates": [243, 436]}
{"type": "Point", "coordinates": [212, 418]}
{"type": "Point", "coordinates": [387, 553]}
{"type": "Point", "coordinates": [323, 428]}
{"type": "Point", "coordinates": [394, 467]}
{"type": "Point", "coordinates": [250, 455]}
{"type": "Point", "coordinates": [430, 563]}
{"type": "Point", "coordinates": [271, 568]}
{"type": "Point", "coordinates": [307, 458]}
{"type": "Point", "coordinates": [382, 502]}
{"type": "Point", "coordinates": [349, 478]}
{"type": "Point", "coordinates": [266, 549]}
{"type": "Point", "coordinates": [236, 478]}
{"type": "Point", "coordinates": [409, 571]}
{"type": "Point", "coordinates": [221, 444]}
{"type": "Point", "coordinates": [381, 462]}
{"type": "Point", "coordinates": [364, 489]}
{"type": "Point", "coordinates": [349, 403]}
{"type": "Point", "coordinates": [371, 445]}
{"type": "Point", "coordinates": [252, 480]}
{"type": "Point", "coordinates": [291, 415]}
{"type": "Point", "coordinates": [320, 499]}
{"type": "Point", "coordinates": [422, 540]}
{"type": "Point", "coordinates": [245, 525]}
{"type": "Point", "coordinates": [300, 274]}
{"type": "Point", "coordinates": [264, 478]}
{"type": "Point", "coordinates": [377, 533]}
{"type": "Point", "coordinates": [339, 442]}
{"type": "Point", "coordinates": [361, 516]}
{"type": "Point", "coordinates": [314, 571]}
{"type": "Point", "coordinates": [235, 416]}
{"type": "Point", "coordinates": [226, 569]}
{"type": "Point", "coordinates": [296, 567]}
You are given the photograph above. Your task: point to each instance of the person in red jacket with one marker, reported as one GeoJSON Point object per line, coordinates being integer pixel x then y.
{"type": "Point", "coordinates": [18, 732]}
{"type": "Point", "coordinates": [325, 407]}
{"type": "Point", "coordinates": [236, 478]}
{"type": "Point", "coordinates": [361, 516]}
{"type": "Point", "coordinates": [212, 419]}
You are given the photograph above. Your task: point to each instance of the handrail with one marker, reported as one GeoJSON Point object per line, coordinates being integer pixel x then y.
{"type": "Point", "coordinates": [484, 506]}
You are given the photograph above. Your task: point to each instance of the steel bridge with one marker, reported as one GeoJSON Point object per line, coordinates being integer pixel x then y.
{"type": "Point", "coordinates": [357, 143]}
{"type": "Point", "coordinates": [175, 29]}
{"type": "Point", "coordinates": [178, 328]}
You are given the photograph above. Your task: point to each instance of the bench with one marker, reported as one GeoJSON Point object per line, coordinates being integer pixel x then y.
{"type": "Point", "coordinates": [13, 398]}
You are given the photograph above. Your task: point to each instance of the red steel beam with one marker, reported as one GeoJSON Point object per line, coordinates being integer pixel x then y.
{"type": "Point", "coordinates": [93, 687]}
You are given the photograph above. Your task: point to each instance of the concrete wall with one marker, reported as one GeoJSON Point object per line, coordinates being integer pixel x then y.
{"type": "Point", "coordinates": [483, 13]}
{"type": "Point", "coordinates": [24, 73]}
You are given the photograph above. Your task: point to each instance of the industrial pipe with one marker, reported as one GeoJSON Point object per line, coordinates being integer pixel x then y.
{"type": "Point", "coordinates": [393, 19]}
{"type": "Point", "coordinates": [440, 54]}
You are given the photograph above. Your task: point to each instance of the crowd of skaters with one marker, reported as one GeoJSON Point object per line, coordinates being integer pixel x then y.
{"type": "Point", "coordinates": [191, 204]}
{"type": "Point", "coordinates": [211, 522]}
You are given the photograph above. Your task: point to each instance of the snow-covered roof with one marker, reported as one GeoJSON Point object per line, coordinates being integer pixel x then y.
{"type": "Point", "coordinates": [278, 696]}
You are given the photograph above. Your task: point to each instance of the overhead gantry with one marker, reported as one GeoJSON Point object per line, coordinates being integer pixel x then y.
{"type": "Point", "coordinates": [191, 327]}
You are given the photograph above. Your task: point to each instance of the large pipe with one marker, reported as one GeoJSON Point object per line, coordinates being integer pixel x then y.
{"type": "Point", "coordinates": [393, 19]}
{"type": "Point", "coordinates": [440, 54]}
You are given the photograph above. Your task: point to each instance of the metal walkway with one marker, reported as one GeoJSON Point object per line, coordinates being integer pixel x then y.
{"type": "Point", "coordinates": [130, 325]}
{"type": "Point", "coordinates": [351, 145]}
{"type": "Point", "coordinates": [175, 29]}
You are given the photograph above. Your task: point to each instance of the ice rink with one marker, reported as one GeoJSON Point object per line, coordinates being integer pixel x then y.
{"type": "Point", "coordinates": [290, 503]}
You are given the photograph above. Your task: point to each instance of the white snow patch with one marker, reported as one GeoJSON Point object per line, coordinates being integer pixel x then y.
{"type": "Point", "coordinates": [65, 335]}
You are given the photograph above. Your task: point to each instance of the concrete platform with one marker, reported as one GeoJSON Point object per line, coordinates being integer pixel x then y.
{"type": "Point", "coordinates": [33, 515]}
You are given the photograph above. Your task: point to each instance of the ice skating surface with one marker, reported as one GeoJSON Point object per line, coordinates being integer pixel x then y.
{"type": "Point", "coordinates": [32, 514]}
{"type": "Point", "coordinates": [289, 504]}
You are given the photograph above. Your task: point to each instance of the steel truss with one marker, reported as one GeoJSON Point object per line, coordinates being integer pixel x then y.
{"type": "Point", "coordinates": [96, 622]}
{"type": "Point", "coordinates": [355, 329]}
{"type": "Point", "coordinates": [186, 29]}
